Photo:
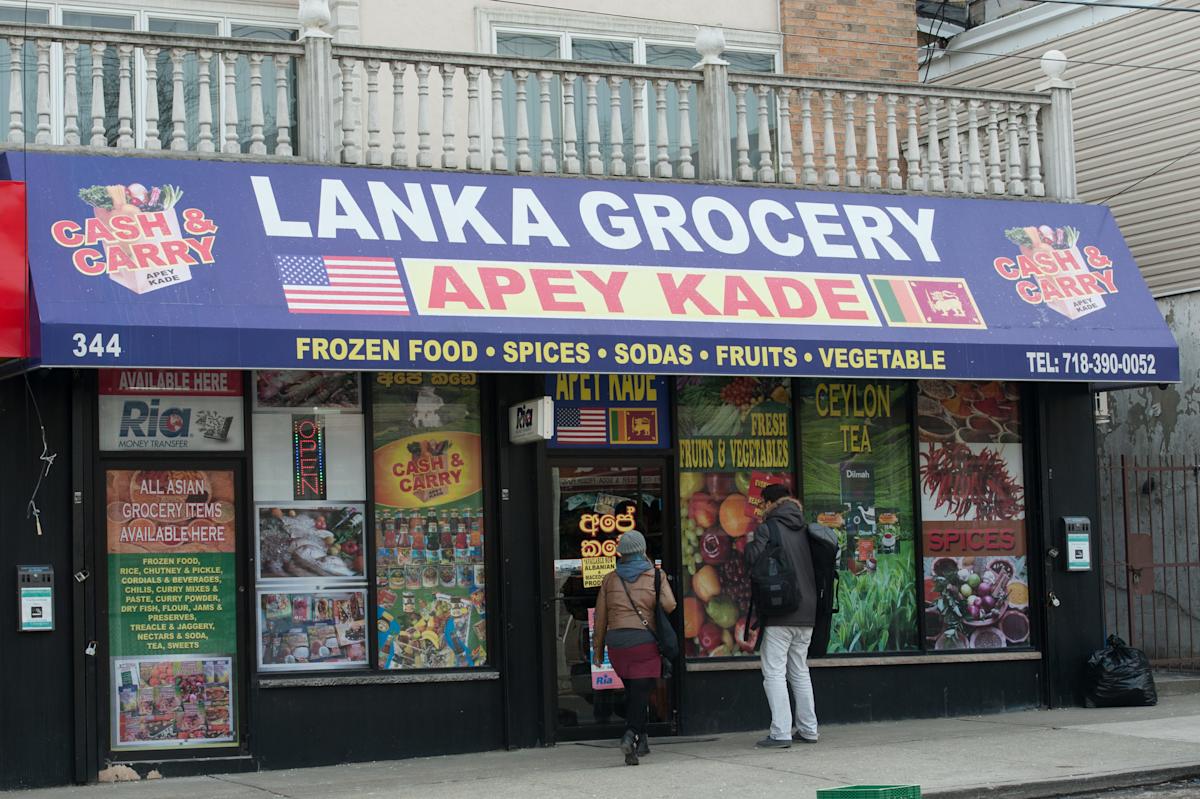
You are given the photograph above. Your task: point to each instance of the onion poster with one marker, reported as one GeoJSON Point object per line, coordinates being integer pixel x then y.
{"type": "Point", "coordinates": [429, 524]}
{"type": "Point", "coordinates": [973, 509]}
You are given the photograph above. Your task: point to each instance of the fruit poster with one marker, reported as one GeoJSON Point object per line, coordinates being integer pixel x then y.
{"type": "Point", "coordinates": [429, 525]}
{"type": "Point", "coordinates": [973, 512]}
{"type": "Point", "coordinates": [857, 479]}
{"type": "Point", "coordinates": [172, 588]}
{"type": "Point", "coordinates": [735, 438]}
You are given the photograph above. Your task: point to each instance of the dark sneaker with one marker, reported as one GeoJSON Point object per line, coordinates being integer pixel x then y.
{"type": "Point", "coordinates": [773, 743]}
{"type": "Point", "coordinates": [643, 747]}
{"type": "Point", "coordinates": [629, 745]}
{"type": "Point", "coordinates": [797, 738]}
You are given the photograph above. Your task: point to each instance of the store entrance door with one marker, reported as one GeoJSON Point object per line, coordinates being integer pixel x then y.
{"type": "Point", "coordinates": [592, 502]}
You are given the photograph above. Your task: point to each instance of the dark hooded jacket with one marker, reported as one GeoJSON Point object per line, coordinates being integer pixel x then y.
{"type": "Point", "coordinates": [788, 520]}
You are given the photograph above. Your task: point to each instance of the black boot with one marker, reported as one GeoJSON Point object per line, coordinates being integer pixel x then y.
{"type": "Point", "coordinates": [629, 745]}
{"type": "Point", "coordinates": [643, 747]}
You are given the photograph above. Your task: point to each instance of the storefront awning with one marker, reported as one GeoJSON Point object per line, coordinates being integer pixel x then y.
{"type": "Point", "coordinates": [141, 261]}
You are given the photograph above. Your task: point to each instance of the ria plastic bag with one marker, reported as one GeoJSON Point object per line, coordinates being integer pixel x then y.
{"type": "Point", "coordinates": [1120, 676]}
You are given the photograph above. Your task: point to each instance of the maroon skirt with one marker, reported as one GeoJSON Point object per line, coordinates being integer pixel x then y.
{"type": "Point", "coordinates": [636, 662]}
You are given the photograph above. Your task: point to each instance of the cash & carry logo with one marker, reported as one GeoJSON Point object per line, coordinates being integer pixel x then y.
{"type": "Point", "coordinates": [1051, 270]}
{"type": "Point", "coordinates": [137, 237]}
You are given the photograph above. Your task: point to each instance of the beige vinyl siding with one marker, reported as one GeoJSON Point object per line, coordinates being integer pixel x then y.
{"type": "Point", "coordinates": [1130, 122]}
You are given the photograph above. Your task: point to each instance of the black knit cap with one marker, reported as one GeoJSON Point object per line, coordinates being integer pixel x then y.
{"type": "Point", "coordinates": [775, 492]}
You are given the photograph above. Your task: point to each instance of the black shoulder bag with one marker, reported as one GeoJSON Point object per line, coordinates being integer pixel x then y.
{"type": "Point", "coordinates": [664, 633]}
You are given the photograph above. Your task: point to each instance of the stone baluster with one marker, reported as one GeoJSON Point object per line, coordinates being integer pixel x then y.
{"type": "Point", "coordinates": [524, 161]}
{"type": "Point", "coordinates": [570, 127]}
{"type": "Point", "coordinates": [232, 144]}
{"type": "Point", "coordinates": [808, 159]}
{"type": "Point", "coordinates": [1058, 129]}
{"type": "Point", "coordinates": [374, 126]}
{"type": "Point", "coordinates": [975, 183]}
{"type": "Point", "coordinates": [1036, 187]}
{"type": "Point", "coordinates": [912, 156]}
{"type": "Point", "coordinates": [474, 120]}
{"type": "Point", "coordinates": [16, 91]}
{"type": "Point", "coordinates": [850, 143]}
{"type": "Point", "coordinates": [424, 133]}
{"type": "Point", "coordinates": [449, 149]}
{"type": "Point", "coordinates": [995, 181]}
{"type": "Point", "coordinates": [71, 95]}
{"type": "Point", "coordinates": [350, 153]}
{"type": "Point", "coordinates": [399, 134]}
{"type": "Point", "coordinates": [662, 165]}
{"type": "Point", "coordinates": [766, 169]}
{"type": "Point", "coordinates": [204, 112]}
{"type": "Point", "coordinates": [1016, 184]}
{"type": "Point", "coordinates": [641, 158]}
{"type": "Point", "coordinates": [744, 171]}
{"type": "Point", "coordinates": [258, 141]}
{"type": "Point", "coordinates": [178, 102]}
{"type": "Point", "coordinates": [499, 155]}
{"type": "Point", "coordinates": [43, 93]}
{"type": "Point", "coordinates": [546, 123]}
{"type": "Point", "coordinates": [832, 177]}
{"type": "Point", "coordinates": [616, 132]}
{"type": "Point", "coordinates": [283, 114]}
{"type": "Point", "coordinates": [686, 168]}
{"type": "Point", "coordinates": [595, 162]}
{"type": "Point", "coordinates": [953, 152]}
{"type": "Point", "coordinates": [99, 138]}
{"type": "Point", "coordinates": [936, 179]}
{"type": "Point", "coordinates": [893, 143]}
{"type": "Point", "coordinates": [874, 181]}
{"type": "Point", "coordinates": [150, 123]}
{"type": "Point", "coordinates": [787, 169]}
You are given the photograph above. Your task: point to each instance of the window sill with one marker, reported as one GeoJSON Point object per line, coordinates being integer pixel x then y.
{"type": "Point", "coordinates": [752, 664]}
{"type": "Point", "coordinates": [378, 678]}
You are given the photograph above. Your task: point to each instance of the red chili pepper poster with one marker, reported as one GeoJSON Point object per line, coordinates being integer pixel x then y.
{"type": "Point", "coordinates": [973, 509]}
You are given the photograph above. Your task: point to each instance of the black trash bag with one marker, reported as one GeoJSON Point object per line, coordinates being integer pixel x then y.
{"type": "Point", "coordinates": [1120, 676]}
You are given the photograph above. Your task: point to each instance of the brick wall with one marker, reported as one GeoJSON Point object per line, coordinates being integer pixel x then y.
{"type": "Point", "coordinates": [819, 39]}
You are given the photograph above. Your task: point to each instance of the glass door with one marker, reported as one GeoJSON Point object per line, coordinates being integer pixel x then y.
{"type": "Point", "coordinates": [594, 503]}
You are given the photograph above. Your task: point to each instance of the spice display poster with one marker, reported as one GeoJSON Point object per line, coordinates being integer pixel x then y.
{"type": "Point", "coordinates": [976, 587]}
{"type": "Point", "coordinates": [857, 479]}
{"type": "Point", "coordinates": [429, 524]}
{"type": "Point", "coordinates": [735, 438]}
{"type": "Point", "coordinates": [171, 543]}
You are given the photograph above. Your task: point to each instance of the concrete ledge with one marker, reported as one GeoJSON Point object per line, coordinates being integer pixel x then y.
{"type": "Point", "coordinates": [835, 662]}
{"type": "Point", "coordinates": [377, 678]}
{"type": "Point", "coordinates": [1072, 786]}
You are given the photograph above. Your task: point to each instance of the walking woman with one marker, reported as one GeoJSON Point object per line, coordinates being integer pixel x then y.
{"type": "Point", "coordinates": [625, 621]}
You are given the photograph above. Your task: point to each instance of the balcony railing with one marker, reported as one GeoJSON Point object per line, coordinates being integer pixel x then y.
{"type": "Point", "coordinates": [97, 89]}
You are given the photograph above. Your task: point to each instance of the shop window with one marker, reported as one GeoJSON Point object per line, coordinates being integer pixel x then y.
{"type": "Point", "coordinates": [976, 586]}
{"type": "Point", "coordinates": [735, 438]}
{"type": "Point", "coordinates": [856, 477]}
{"type": "Point", "coordinates": [310, 521]}
{"type": "Point", "coordinates": [429, 521]}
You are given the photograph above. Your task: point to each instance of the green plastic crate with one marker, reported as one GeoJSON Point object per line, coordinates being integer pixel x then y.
{"type": "Point", "coordinates": [871, 792]}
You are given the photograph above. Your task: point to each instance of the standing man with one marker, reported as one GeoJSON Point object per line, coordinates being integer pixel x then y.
{"type": "Point", "coordinates": [787, 636]}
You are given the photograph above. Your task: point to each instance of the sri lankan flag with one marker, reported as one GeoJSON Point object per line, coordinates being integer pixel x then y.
{"type": "Point", "coordinates": [638, 426]}
{"type": "Point", "coordinates": [926, 302]}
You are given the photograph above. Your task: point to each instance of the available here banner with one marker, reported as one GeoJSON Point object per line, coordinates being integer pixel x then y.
{"type": "Point", "coordinates": [154, 262]}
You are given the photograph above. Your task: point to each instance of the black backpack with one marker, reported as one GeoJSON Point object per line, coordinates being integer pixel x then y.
{"type": "Point", "coordinates": [774, 585]}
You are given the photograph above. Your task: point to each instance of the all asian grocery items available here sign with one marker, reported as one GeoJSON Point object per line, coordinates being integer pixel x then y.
{"type": "Point", "coordinates": [141, 262]}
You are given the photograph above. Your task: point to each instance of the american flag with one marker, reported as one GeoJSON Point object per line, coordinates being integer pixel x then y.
{"type": "Point", "coordinates": [581, 425]}
{"type": "Point", "coordinates": [341, 284]}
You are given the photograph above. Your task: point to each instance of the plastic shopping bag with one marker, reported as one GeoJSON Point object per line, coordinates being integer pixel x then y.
{"type": "Point", "coordinates": [1119, 676]}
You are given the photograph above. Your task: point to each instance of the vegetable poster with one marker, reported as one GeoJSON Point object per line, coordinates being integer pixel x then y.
{"type": "Point", "coordinates": [857, 480]}
{"type": "Point", "coordinates": [172, 606]}
{"type": "Point", "coordinates": [973, 510]}
{"type": "Point", "coordinates": [735, 438]}
{"type": "Point", "coordinates": [429, 521]}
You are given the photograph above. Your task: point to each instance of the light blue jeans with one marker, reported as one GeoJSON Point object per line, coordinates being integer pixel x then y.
{"type": "Point", "coordinates": [784, 662]}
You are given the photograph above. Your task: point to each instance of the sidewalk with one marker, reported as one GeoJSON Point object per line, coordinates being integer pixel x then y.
{"type": "Point", "coordinates": [1027, 754]}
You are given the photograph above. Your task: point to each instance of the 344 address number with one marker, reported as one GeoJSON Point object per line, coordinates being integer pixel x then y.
{"type": "Point", "coordinates": [96, 345]}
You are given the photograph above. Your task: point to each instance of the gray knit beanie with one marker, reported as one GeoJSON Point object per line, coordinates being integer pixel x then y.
{"type": "Point", "coordinates": [632, 543]}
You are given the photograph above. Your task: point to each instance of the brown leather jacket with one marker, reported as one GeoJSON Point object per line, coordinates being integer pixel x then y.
{"type": "Point", "coordinates": [613, 611]}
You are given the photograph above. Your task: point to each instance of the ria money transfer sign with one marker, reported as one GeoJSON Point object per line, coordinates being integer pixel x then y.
{"type": "Point", "coordinates": [148, 262]}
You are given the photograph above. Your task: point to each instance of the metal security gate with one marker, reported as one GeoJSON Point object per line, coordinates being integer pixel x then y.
{"type": "Point", "coordinates": [1150, 514]}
